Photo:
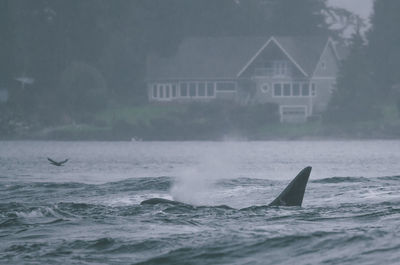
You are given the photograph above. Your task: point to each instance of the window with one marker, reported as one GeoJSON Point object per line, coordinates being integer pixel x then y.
{"type": "Point", "coordinates": [226, 86]}
{"type": "Point", "coordinates": [192, 89]}
{"type": "Point", "coordinates": [184, 91]}
{"type": "Point", "coordinates": [296, 89]}
{"type": "Point", "coordinates": [167, 92]}
{"type": "Point", "coordinates": [280, 68]}
{"type": "Point", "coordinates": [286, 90]}
{"type": "Point", "coordinates": [332, 89]}
{"type": "Point", "coordinates": [161, 91]}
{"type": "Point", "coordinates": [210, 89]}
{"type": "Point", "coordinates": [277, 90]}
{"type": "Point", "coordinates": [313, 89]}
{"type": "Point", "coordinates": [174, 91]}
{"type": "Point", "coordinates": [265, 88]}
{"type": "Point", "coordinates": [201, 89]}
{"type": "Point", "coordinates": [305, 90]}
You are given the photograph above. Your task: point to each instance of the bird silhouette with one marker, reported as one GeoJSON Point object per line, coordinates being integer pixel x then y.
{"type": "Point", "coordinates": [55, 163]}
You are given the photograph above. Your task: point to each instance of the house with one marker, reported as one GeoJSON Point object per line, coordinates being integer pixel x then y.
{"type": "Point", "coordinates": [297, 73]}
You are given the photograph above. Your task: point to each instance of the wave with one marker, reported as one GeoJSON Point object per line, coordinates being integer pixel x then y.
{"type": "Point", "coordinates": [132, 184]}
{"type": "Point", "coordinates": [139, 184]}
{"type": "Point", "coordinates": [341, 179]}
{"type": "Point", "coordinates": [355, 179]}
{"type": "Point", "coordinates": [246, 182]}
{"type": "Point", "coordinates": [395, 178]}
{"type": "Point", "coordinates": [22, 187]}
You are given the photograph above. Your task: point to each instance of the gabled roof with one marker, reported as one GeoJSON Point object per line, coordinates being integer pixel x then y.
{"type": "Point", "coordinates": [208, 58]}
{"type": "Point", "coordinates": [304, 52]}
{"type": "Point", "coordinates": [228, 57]}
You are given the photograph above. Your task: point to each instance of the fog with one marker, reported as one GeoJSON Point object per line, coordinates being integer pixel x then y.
{"type": "Point", "coordinates": [199, 70]}
{"type": "Point", "coordinates": [199, 131]}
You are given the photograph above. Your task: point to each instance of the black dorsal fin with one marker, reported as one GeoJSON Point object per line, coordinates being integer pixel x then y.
{"type": "Point", "coordinates": [293, 194]}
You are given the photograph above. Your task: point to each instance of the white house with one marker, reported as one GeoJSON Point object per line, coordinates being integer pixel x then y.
{"type": "Point", "coordinates": [297, 73]}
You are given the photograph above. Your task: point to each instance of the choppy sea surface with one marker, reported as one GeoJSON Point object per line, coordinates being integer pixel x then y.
{"type": "Point", "coordinates": [89, 211]}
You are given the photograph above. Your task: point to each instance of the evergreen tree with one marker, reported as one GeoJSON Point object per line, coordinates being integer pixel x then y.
{"type": "Point", "coordinates": [355, 96]}
{"type": "Point", "coordinates": [384, 44]}
{"type": "Point", "coordinates": [299, 17]}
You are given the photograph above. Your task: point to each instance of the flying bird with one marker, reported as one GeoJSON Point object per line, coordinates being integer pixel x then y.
{"type": "Point", "coordinates": [55, 163]}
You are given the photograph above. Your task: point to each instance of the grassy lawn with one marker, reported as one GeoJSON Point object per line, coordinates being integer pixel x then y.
{"type": "Point", "coordinates": [188, 121]}
{"type": "Point", "coordinates": [390, 113]}
{"type": "Point", "coordinates": [291, 131]}
{"type": "Point", "coordinates": [136, 114]}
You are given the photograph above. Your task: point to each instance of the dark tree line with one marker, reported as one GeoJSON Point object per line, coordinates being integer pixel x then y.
{"type": "Point", "coordinates": [370, 76]}
{"type": "Point", "coordinates": [84, 54]}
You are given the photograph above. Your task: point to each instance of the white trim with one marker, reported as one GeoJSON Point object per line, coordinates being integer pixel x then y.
{"type": "Point", "coordinates": [262, 49]}
{"type": "Point", "coordinates": [313, 89]}
{"type": "Point", "coordinates": [290, 57]}
{"type": "Point", "coordinates": [282, 83]}
{"type": "Point", "coordinates": [293, 106]}
{"type": "Point", "coordinates": [305, 107]}
{"type": "Point", "coordinates": [188, 96]}
{"type": "Point", "coordinates": [185, 79]}
{"type": "Point", "coordinates": [164, 87]}
{"type": "Point", "coordinates": [265, 84]}
{"type": "Point", "coordinates": [254, 57]}
{"type": "Point", "coordinates": [335, 51]}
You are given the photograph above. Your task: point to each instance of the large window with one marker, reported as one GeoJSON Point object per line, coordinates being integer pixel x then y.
{"type": "Point", "coordinates": [164, 91]}
{"type": "Point", "coordinates": [295, 89]}
{"type": "Point", "coordinates": [192, 89]}
{"type": "Point", "coordinates": [167, 91]}
{"type": "Point", "coordinates": [313, 89]}
{"type": "Point", "coordinates": [183, 88]}
{"type": "Point", "coordinates": [174, 94]}
{"type": "Point", "coordinates": [201, 89]}
{"type": "Point", "coordinates": [210, 89]}
{"type": "Point", "coordinates": [277, 90]}
{"type": "Point", "coordinates": [305, 90]}
{"type": "Point", "coordinates": [197, 89]}
{"type": "Point", "coordinates": [287, 90]}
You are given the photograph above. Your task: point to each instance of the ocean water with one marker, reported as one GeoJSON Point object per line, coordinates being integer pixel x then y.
{"type": "Point", "coordinates": [89, 211]}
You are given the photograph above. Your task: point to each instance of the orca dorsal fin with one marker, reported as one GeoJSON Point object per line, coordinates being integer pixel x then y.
{"type": "Point", "coordinates": [293, 194]}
